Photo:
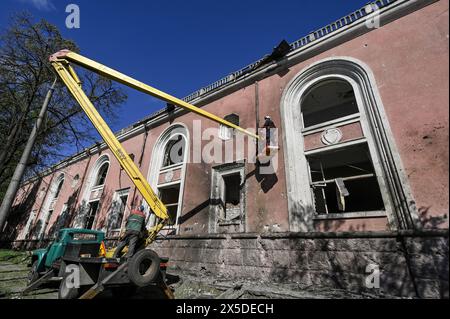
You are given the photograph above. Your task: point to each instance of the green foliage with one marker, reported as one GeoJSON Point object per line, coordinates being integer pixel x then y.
{"type": "Point", "coordinates": [25, 77]}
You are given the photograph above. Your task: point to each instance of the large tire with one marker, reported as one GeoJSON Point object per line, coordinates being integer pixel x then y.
{"type": "Point", "coordinates": [33, 275]}
{"type": "Point", "coordinates": [143, 268]}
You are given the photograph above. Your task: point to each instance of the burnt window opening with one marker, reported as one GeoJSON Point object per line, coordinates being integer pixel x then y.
{"type": "Point", "coordinates": [93, 210]}
{"type": "Point", "coordinates": [232, 193]}
{"type": "Point", "coordinates": [328, 101]}
{"type": "Point", "coordinates": [344, 181]}
{"type": "Point", "coordinates": [225, 132]}
{"type": "Point", "coordinates": [228, 198]}
{"type": "Point", "coordinates": [170, 196]}
{"type": "Point", "coordinates": [123, 205]}
{"type": "Point", "coordinates": [101, 176]}
{"type": "Point", "coordinates": [118, 208]}
{"type": "Point", "coordinates": [174, 153]}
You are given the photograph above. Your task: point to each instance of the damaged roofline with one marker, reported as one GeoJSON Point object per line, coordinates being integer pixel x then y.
{"type": "Point", "coordinates": [391, 11]}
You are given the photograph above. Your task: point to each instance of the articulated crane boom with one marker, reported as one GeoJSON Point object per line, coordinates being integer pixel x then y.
{"type": "Point", "coordinates": [61, 62]}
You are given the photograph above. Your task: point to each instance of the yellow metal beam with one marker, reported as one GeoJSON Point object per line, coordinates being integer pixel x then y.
{"type": "Point", "coordinates": [71, 81]}
{"type": "Point", "coordinates": [61, 62]}
{"type": "Point", "coordinates": [142, 87]}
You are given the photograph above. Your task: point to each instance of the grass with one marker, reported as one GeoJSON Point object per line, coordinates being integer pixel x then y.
{"type": "Point", "coordinates": [12, 256]}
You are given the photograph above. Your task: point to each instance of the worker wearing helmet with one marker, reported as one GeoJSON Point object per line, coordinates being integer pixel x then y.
{"type": "Point", "coordinates": [135, 230]}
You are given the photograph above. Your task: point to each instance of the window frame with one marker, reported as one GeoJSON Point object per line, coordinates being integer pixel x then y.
{"type": "Point", "coordinates": [217, 220]}
{"type": "Point", "coordinates": [335, 123]}
{"type": "Point", "coordinates": [166, 149]}
{"type": "Point", "coordinates": [364, 213]}
{"type": "Point", "coordinates": [156, 169]}
{"type": "Point", "coordinates": [227, 133]}
{"type": "Point", "coordinates": [401, 211]}
{"type": "Point", "coordinates": [99, 175]}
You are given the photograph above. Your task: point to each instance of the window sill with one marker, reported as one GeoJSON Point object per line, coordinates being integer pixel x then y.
{"type": "Point", "coordinates": [170, 168]}
{"type": "Point", "coordinates": [350, 215]}
{"type": "Point", "coordinates": [97, 188]}
{"type": "Point", "coordinates": [333, 123]}
{"type": "Point", "coordinates": [224, 224]}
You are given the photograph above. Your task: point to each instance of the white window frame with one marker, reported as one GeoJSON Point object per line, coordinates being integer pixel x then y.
{"type": "Point", "coordinates": [217, 212]}
{"type": "Point", "coordinates": [399, 203]}
{"type": "Point", "coordinates": [156, 169]}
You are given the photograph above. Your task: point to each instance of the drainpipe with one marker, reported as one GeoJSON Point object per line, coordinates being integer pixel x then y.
{"type": "Point", "coordinates": [257, 113]}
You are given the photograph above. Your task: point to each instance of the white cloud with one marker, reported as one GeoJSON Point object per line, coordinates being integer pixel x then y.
{"type": "Point", "coordinates": [44, 5]}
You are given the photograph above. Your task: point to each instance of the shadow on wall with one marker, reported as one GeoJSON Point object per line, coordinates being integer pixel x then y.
{"type": "Point", "coordinates": [302, 217]}
{"type": "Point", "coordinates": [428, 221]}
{"type": "Point", "coordinates": [66, 218]}
{"type": "Point", "coordinates": [267, 181]}
{"type": "Point", "coordinates": [20, 213]}
{"type": "Point", "coordinates": [193, 212]}
{"type": "Point", "coordinates": [105, 201]}
{"type": "Point", "coordinates": [408, 267]}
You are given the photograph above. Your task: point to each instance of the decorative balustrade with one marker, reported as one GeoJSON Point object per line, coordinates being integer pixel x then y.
{"type": "Point", "coordinates": [311, 37]}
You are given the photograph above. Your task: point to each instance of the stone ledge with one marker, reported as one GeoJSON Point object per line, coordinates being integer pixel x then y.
{"type": "Point", "coordinates": [313, 235]}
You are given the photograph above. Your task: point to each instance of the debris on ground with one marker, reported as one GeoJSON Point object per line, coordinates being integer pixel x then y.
{"type": "Point", "coordinates": [14, 270]}
{"type": "Point", "coordinates": [193, 287]}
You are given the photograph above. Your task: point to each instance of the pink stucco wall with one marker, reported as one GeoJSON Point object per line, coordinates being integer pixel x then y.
{"type": "Point", "coordinates": [409, 60]}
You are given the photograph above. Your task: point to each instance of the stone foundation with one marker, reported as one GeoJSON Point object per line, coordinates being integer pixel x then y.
{"type": "Point", "coordinates": [411, 264]}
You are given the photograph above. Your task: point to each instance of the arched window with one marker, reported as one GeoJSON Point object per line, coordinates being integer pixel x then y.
{"type": "Point", "coordinates": [101, 176]}
{"type": "Point", "coordinates": [327, 101]}
{"type": "Point", "coordinates": [334, 125]}
{"type": "Point", "coordinates": [342, 177]}
{"type": "Point", "coordinates": [168, 169]}
{"type": "Point", "coordinates": [49, 204]}
{"type": "Point", "coordinates": [58, 189]}
{"type": "Point", "coordinates": [174, 152]}
{"type": "Point", "coordinates": [92, 194]}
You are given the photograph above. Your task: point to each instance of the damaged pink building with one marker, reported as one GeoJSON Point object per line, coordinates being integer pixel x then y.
{"type": "Point", "coordinates": [361, 177]}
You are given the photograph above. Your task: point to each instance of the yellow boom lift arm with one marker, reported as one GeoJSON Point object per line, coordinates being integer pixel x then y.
{"type": "Point", "coordinates": [61, 62]}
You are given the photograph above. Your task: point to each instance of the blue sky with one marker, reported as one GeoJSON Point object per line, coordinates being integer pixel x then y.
{"type": "Point", "coordinates": [180, 46]}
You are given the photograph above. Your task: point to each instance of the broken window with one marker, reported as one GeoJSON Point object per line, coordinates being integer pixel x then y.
{"type": "Point", "coordinates": [101, 176]}
{"type": "Point", "coordinates": [118, 208]}
{"type": "Point", "coordinates": [93, 210]}
{"type": "Point", "coordinates": [58, 189]}
{"type": "Point", "coordinates": [225, 132]}
{"type": "Point", "coordinates": [170, 196]}
{"type": "Point", "coordinates": [344, 180]}
{"type": "Point", "coordinates": [232, 184]}
{"type": "Point", "coordinates": [328, 101]}
{"type": "Point", "coordinates": [172, 166]}
{"type": "Point", "coordinates": [227, 209]}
